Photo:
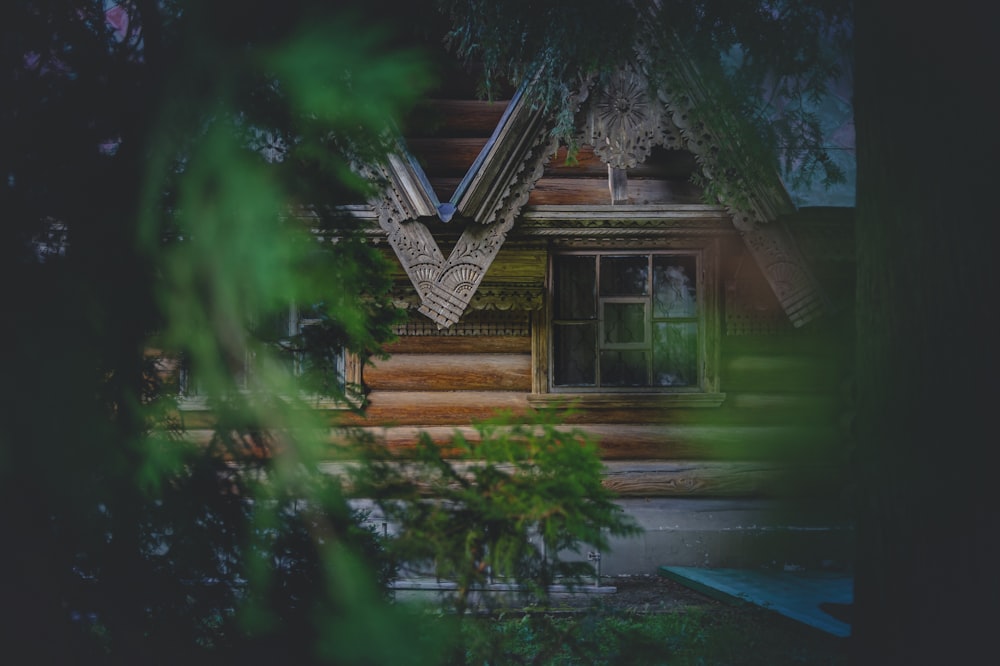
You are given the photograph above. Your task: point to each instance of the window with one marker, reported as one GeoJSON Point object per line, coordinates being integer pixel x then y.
{"type": "Point", "coordinates": [293, 338]}
{"type": "Point", "coordinates": [632, 321]}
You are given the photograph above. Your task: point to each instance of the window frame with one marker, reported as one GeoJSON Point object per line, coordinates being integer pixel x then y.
{"type": "Point", "coordinates": [704, 393]}
{"type": "Point", "coordinates": [348, 365]}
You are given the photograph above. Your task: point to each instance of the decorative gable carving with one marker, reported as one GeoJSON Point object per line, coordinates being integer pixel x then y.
{"type": "Point", "coordinates": [623, 122]}
{"type": "Point", "coordinates": [489, 197]}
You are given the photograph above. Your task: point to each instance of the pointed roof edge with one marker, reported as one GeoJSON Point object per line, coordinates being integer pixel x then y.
{"type": "Point", "coordinates": [755, 197]}
{"type": "Point", "coordinates": [497, 185]}
{"type": "Point", "coordinates": [510, 164]}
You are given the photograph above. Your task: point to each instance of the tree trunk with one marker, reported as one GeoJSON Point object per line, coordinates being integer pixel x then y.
{"type": "Point", "coordinates": [928, 143]}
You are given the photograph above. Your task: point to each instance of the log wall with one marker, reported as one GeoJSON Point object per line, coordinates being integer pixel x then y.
{"type": "Point", "coordinates": [778, 430]}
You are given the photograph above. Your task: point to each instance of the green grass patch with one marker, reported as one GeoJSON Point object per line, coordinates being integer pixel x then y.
{"type": "Point", "coordinates": [739, 637]}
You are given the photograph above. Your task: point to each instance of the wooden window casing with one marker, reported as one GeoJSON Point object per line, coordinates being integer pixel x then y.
{"type": "Point", "coordinates": [701, 390]}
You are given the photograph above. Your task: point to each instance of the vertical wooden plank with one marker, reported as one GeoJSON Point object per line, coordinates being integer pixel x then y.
{"type": "Point", "coordinates": [618, 184]}
{"type": "Point", "coordinates": [540, 350]}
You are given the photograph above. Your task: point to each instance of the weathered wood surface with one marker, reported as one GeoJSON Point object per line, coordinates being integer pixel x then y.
{"type": "Point", "coordinates": [652, 442]}
{"type": "Point", "coordinates": [457, 117]}
{"type": "Point", "coordinates": [451, 372]}
{"type": "Point", "coordinates": [697, 478]}
{"type": "Point", "coordinates": [720, 479]}
{"type": "Point", "coordinates": [446, 156]}
{"type": "Point", "coordinates": [682, 476]}
{"type": "Point", "coordinates": [438, 407]}
{"type": "Point", "coordinates": [674, 165]}
{"type": "Point", "coordinates": [591, 191]}
{"type": "Point", "coordinates": [559, 191]}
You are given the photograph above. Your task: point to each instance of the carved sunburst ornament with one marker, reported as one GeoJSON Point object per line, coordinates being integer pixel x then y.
{"type": "Point", "coordinates": [625, 121]}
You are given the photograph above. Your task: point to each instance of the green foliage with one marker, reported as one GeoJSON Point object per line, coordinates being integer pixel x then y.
{"type": "Point", "coordinates": [163, 186]}
{"type": "Point", "coordinates": [764, 63]}
{"type": "Point", "coordinates": [679, 639]}
{"type": "Point", "coordinates": [510, 505]}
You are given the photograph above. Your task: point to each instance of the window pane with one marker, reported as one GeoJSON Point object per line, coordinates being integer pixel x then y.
{"type": "Point", "coordinates": [674, 292]}
{"type": "Point", "coordinates": [625, 276]}
{"type": "Point", "coordinates": [675, 354]}
{"type": "Point", "coordinates": [623, 368]}
{"type": "Point", "coordinates": [574, 287]}
{"type": "Point", "coordinates": [274, 326]}
{"type": "Point", "coordinates": [574, 362]}
{"type": "Point", "coordinates": [624, 323]}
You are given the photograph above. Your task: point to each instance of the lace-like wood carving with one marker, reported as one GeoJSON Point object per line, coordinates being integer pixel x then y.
{"type": "Point", "coordinates": [498, 191]}
{"type": "Point", "coordinates": [624, 123]}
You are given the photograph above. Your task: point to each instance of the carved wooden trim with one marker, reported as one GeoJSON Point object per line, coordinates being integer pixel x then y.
{"type": "Point", "coordinates": [755, 204]}
{"type": "Point", "coordinates": [786, 270]}
{"type": "Point", "coordinates": [492, 194]}
{"type": "Point", "coordinates": [501, 297]}
{"type": "Point", "coordinates": [491, 323]}
{"type": "Point", "coordinates": [458, 278]}
{"type": "Point", "coordinates": [624, 122]}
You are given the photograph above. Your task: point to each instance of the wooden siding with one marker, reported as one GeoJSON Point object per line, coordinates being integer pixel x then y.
{"type": "Point", "coordinates": [444, 372]}
{"type": "Point", "coordinates": [780, 428]}
{"type": "Point", "coordinates": [783, 425]}
{"type": "Point", "coordinates": [777, 431]}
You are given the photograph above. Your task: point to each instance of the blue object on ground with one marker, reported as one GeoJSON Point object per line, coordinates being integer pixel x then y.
{"type": "Point", "coordinates": [799, 595]}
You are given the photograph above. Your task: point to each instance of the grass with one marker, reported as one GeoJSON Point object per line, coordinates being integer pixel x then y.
{"type": "Point", "coordinates": [736, 637]}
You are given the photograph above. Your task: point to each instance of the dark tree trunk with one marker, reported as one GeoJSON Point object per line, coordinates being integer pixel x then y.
{"type": "Point", "coordinates": [928, 144]}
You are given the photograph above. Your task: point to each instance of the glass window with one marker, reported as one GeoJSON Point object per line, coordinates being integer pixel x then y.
{"type": "Point", "coordinates": [625, 320]}
{"type": "Point", "coordinates": [296, 343]}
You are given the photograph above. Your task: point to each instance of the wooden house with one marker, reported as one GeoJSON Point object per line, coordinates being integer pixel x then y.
{"type": "Point", "coordinates": [702, 345]}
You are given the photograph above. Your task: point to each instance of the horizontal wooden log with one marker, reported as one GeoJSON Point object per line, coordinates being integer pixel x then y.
{"type": "Point", "coordinates": [451, 372]}
{"type": "Point", "coordinates": [460, 344]}
{"type": "Point", "coordinates": [565, 191]}
{"type": "Point", "coordinates": [437, 407]}
{"type": "Point", "coordinates": [684, 477]}
{"type": "Point", "coordinates": [446, 156]}
{"type": "Point", "coordinates": [638, 442]}
{"type": "Point", "coordinates": [457, 117]}
{"type": "Point", "coordinates": [722, 479]}
{"type": "Point", "coordinates": [669, 164]}
{"type": "Point", "coordinates": [695, 478]}
{"type": "Point", "coordinates": [729, 427]}
{"type": "Point", "coordinates": [444, 186]}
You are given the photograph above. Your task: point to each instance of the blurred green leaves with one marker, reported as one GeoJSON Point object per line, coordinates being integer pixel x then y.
{"type": "Point", "coordinates": [516, 502]}
{"type": "Point", "coordinates": [196, 164]}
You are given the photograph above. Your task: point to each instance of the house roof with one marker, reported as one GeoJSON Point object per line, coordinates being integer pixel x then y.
{"type": "Point", "coordinates": [624, 123]}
